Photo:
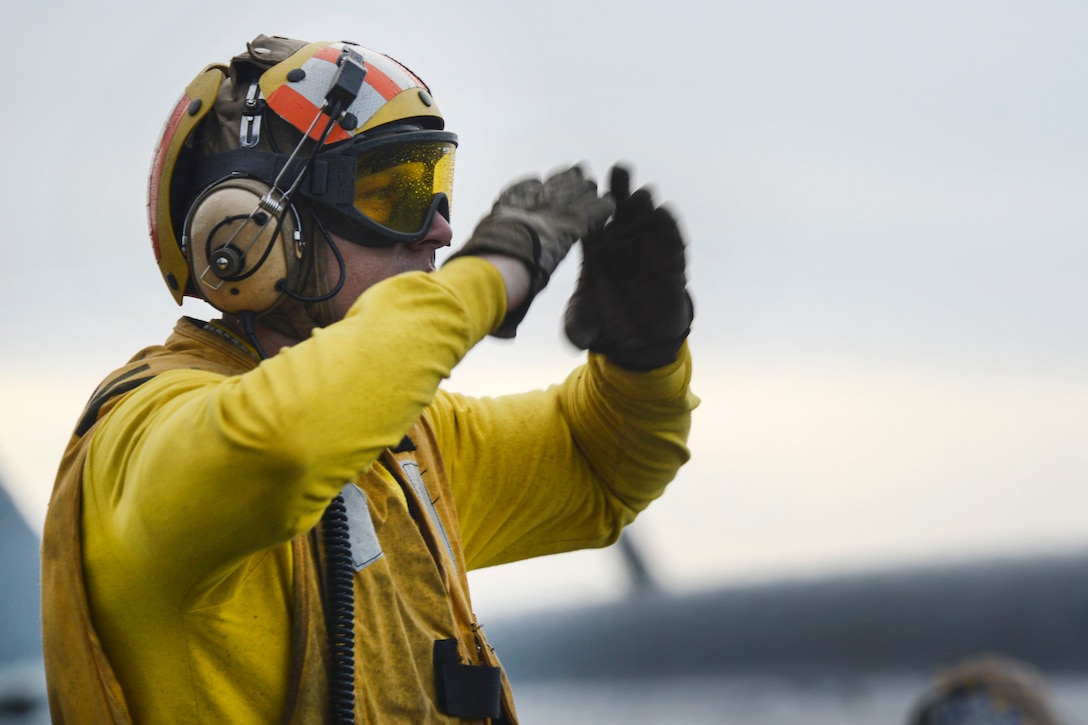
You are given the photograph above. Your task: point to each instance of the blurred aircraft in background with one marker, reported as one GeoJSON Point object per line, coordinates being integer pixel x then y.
{"type": "Point", "coordinates": [902, 620]}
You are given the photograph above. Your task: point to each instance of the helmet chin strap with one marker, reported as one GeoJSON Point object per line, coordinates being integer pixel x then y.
{"type": "Point", "coordinates": [307, 312]}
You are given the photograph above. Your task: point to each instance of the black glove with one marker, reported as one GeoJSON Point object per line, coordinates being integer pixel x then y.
{"type": "Point", "coordinates": [631, 303]}
{"type": "Point", "coordinates": [536, 222]}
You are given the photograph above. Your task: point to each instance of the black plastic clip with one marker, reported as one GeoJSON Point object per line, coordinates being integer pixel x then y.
{"type": "Point", "coordinates": [346, 84]}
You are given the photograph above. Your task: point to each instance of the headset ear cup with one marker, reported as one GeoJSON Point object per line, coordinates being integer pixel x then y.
{"type": "Point", "coordinates": [239, 254]}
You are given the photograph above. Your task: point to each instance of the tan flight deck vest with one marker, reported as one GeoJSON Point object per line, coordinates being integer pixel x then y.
{"type": "Point", "coordinates": [82, 685]}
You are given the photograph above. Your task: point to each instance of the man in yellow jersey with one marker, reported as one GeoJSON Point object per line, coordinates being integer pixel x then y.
{"type": "Point", "coordinates": [269, 517]}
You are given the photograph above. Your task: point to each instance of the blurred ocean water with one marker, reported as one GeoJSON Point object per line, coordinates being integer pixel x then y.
{"type": "Point", "coordinates": [748, 701]}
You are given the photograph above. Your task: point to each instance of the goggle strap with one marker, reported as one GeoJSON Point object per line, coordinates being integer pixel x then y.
{"type": "Point", "coordinates": [328, 175]}
{"type": "Point", "coordinates": [332, 181]}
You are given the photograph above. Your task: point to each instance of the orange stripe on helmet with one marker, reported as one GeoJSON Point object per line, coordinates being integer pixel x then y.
{"type": "Point", "coordinates": [292, 106]}
{"type": "Point", "coordinates": [380, 82]}
{"type": "Point", "coordinates": [331, 53]}
{"type": "Point", "coordinates": [297, 110]}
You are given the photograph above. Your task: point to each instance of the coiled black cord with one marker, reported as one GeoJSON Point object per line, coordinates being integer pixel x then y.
{"type": "Point", "coordinates": [339, 612]}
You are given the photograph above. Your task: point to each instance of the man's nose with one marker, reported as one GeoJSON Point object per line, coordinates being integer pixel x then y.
{"type": "Point", "coordinates": [439, 235]}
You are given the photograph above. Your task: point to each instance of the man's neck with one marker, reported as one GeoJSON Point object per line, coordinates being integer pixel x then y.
{"type": "Point", "coordinates": [268, 340]}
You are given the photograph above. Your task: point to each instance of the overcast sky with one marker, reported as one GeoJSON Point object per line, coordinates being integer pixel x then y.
{"type": "Point", "coordinates": [885, 209]}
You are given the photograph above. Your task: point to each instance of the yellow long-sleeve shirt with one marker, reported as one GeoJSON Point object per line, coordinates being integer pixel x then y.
{"type": "Point", "coordinates": [196, 483]}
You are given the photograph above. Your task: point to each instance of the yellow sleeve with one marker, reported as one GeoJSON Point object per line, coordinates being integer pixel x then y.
{"type": "Point", "coordinates": [193, 471]}
{"type": "Point", "coordinates": [565, 468]}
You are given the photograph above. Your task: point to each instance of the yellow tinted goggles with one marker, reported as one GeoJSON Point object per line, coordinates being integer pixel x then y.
{"type": "Point", "coordinates": [397, 185]}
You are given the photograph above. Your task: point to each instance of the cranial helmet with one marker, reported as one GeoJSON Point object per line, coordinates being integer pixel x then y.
{"type": "Point", "coordinates": [263, 157]}
{"type": "Point", "coordinates": [988, 689]}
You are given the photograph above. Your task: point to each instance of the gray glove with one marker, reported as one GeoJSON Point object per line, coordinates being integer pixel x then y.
{"type": "Point", "coordinates": [536, 222]}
